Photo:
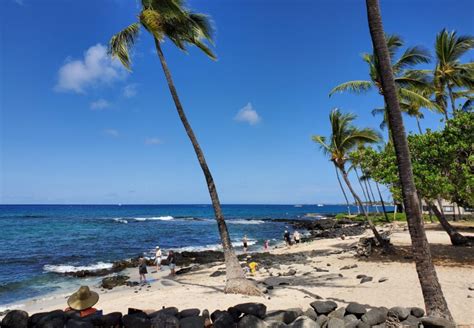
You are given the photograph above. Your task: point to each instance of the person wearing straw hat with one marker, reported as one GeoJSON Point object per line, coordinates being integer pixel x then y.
{"type": "Point", "coordinates": [82, 302]}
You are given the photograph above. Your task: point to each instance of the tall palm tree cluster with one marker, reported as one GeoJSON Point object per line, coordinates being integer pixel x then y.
{"type": "Point", "coordinates": [403, 88]}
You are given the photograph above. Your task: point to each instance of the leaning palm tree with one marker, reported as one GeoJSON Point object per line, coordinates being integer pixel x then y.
{"type": "Point", "coordinates": [435, 302]}
{"type": "Point", "coordinates": [168, 19]}
{"type": "Point", "coordinates": [344, 138]}
{"type": "Point", "coordinates": [449, 73]}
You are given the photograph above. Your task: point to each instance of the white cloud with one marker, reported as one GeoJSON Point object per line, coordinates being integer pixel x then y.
{"type": "Point", "coordinates": [153, 141]}
{"type": "Point", "coordinates": [99, 104]}
{"type": "Point", "coordinates": [96, 68]}
{"type": "Point", "coordinates": [111, 133]}
{"type": "Point", "coordinates": [130, 90]}
{"type": "Point", "coordinates": [248, 115]}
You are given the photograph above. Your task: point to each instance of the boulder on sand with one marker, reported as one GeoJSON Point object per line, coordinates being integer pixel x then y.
{"type": "Point", "coordinates": [436, 322]}
{"type": "Point", "coordinates": [375, 316]}
{"type": "Point", "coordinates": [356, 309]}
{"type": "Point", "coordinates": [15, 319]}
{"type": "Point", "coordinates": [323, 307]}
{"type": "Point", "coordinates": [286, 316]}
{"type": "Point", "coordinates": [256, 309]}
{"type": "Point", "coordinates": [251, 321]}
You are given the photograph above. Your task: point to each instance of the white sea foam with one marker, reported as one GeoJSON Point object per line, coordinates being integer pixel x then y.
{"type": "Point", "coordinates": [64, 268]}
{"type": "Point", "coordinates": [245, 221]}
{"type": "Point", "coordinates": [119, 220]}
{"type": "Point", "coordinates": [156, 218]}
{"type": "Point", "coordinates": [213, 247]}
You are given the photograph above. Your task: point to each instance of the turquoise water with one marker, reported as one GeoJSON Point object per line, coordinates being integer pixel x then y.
{"type": "Point", "coordinates": [40, 241]}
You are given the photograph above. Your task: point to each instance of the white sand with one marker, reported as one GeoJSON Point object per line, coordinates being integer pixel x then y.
{"type": "Point", "coordinates": [199, 290]}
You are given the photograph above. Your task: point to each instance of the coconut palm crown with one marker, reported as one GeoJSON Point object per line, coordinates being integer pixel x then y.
{"type": "Point", "coordinates": [164, 19]}
{"type": "Point", "coordinates": [344, 137]}
{"type": "Point", "coordinates": [406, 78]}
{"type": "Point", "coordinates": [449, 73]}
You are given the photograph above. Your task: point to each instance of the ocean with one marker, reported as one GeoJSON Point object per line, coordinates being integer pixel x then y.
{"type": "Point", "coordinates": [38, 242]}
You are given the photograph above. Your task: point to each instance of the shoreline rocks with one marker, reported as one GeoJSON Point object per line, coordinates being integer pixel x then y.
{"type": "Point", "coordinates": [244, 315]}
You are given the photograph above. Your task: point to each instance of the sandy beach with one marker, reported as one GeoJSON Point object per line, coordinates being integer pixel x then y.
{"type": "Point", "coordinates": [199, 290]}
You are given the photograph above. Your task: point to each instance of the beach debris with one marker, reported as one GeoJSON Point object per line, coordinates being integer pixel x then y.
{"type": "Point", "coordinates": [323, 307]}
{"type": "Point", "coordinates": [290, 272]}
{"type": "Point", "coordinates": [347, 267]}
{"type": "Point", "coordinates": [366, 279]}
{"type": "Point", "coordinates": [360, 276]}
{"type": "Point", "coordinates": [217, 273]}
{"type": "Point", "coordinates": [383, 279]}
{"type": "Point", "coordinates": [320, 270]}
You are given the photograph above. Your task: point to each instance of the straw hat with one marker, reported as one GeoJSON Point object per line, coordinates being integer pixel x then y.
{"type": "Point", "coordinates": [84, 298]}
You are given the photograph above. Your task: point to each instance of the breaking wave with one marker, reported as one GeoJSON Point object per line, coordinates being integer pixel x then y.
{"type": "Point", "coordinates": [65, 268]}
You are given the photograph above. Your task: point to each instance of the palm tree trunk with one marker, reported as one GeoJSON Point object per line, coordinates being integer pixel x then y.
{"type": "Point", "coordinates": [451, 98]}
{"type": "Point", "coordinates": [363, 190]}
{"type": "Point", "coordinates": [456, 238]}
{"type": "Point", "coordinates": [343, 191]}
{"type": "Point", "coordinates": [236, 282]}
{"type": "Point", "coordinates": [419, 126]}
{"type": "Point", "coordinates": [379, 238]}
{"type": "Point", "coordinates": [435, 302]}
{"type": "Point", "coordinates": [372, 193]}
{"type": "Point", "coordinates": [383, 203]}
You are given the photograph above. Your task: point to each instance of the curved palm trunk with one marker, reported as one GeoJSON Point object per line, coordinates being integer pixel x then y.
{"type": "Point", "coordinates": [456, 238]}
{"type": "Point", "coordinates": [379, 238]}
{"type": "Point", "coordinates": [383, 203]}
{"type": "Point", "coordinates": [367, 200]}
{"type": "Point", "coordinates": [418, 124]}
{"type": "Point", "coordinates": [367, 182]}
{"type": "Point", "coordinates": [343, 191]}
{"type": "Point", "coordinates": [451, 98]}
{"type": "Point", "coordinates": [236, 282]}
{"type": "Point", "coordinates": [435, 302]}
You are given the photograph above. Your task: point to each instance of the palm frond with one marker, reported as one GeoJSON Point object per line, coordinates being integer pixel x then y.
{"type": "Point", "coordinates": [411, 57]}
{"type": "Point", "coordinates": [121, 43]}
{"type": "Point", "coordinates": [418, 98]}
{"type": "Point", "coordinates": [352, 86]}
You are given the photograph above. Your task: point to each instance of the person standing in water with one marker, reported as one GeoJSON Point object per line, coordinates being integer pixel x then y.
{"type": "Point", "coordinates": [245, 243]}
{"type": "Point", "coordinates": [142, 271]}
{"type": "Point", "coordinates": [158, 258]}
{"type": "Point", "coordinates": [265, 245]}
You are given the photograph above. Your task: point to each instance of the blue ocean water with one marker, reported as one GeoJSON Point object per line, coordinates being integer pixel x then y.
{"type": "Point", "coordinates": [38, 241]}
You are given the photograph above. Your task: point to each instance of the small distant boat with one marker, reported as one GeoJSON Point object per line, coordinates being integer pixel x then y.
{"type": "Point", "coordinates": [320, 205]}
{"type": "Point", "coordinates": [298, 205]}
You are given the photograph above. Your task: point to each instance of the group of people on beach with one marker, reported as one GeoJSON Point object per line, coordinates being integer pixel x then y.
{"type": "Point", "coordinates": [171, 260]}
{"type": "Point", "coordinates": [289, 240]}
{"type": "Point", "coordinates": [287, 237]}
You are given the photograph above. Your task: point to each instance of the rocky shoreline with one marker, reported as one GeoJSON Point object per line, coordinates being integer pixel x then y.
{"type": "Point", "coordinates": [323, 228]}
{"type": "Point", "coordinates": [319, 314]}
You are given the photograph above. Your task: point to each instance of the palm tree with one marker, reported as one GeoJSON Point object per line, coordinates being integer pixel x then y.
{"type": "Point", "coordinates": [449, 72]}
{"type": "Point", "coordinates": [435, 302]}
{"type": "Point", "coordinates": [344, 138]}
{"type": "Point", "coordinates": [343, 191]}
{"type": "Point", "coordinates": [169, 19]}
{"type": "Point", "coordinates": [409, 82]}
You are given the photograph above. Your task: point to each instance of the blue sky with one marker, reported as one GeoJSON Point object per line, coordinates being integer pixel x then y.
{"type": "Point", "coordinates": [76, 128]}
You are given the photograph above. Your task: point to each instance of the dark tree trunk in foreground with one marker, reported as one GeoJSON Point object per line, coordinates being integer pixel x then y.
{"type": "Point", "coordinates": [379, 238]}
{"type": "Point", "coordinates": [456, 238]}
{"type": "Point", "coordinates": [236, 282]}
{"type": "Point", "coordinates": [435, 302]}
{"type": "Point", "coordinates": [343, 191]}
{"type": "Point", "coordinates": [383, 203]}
